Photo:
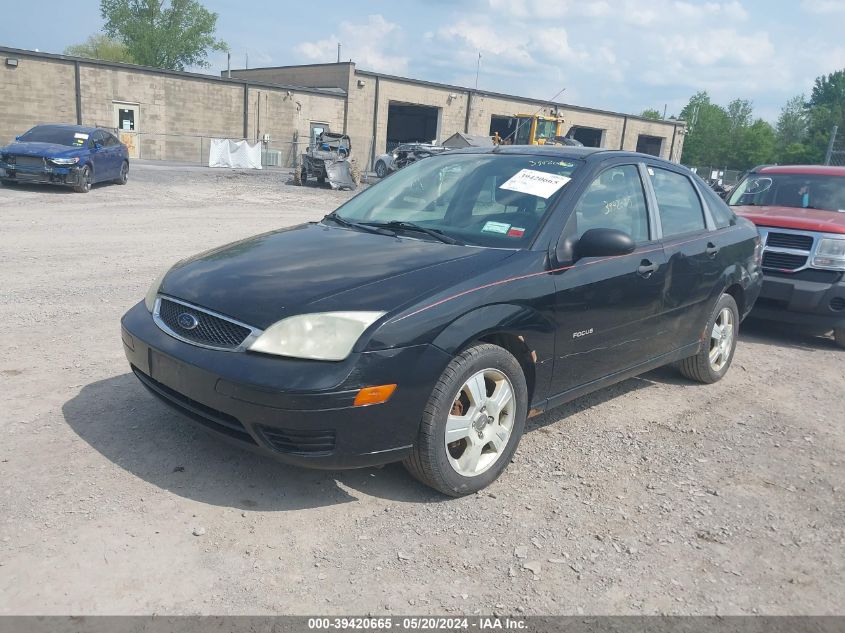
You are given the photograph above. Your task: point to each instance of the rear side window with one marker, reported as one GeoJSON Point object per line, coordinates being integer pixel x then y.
{"type": "Point", "coordinates": [680, 208]}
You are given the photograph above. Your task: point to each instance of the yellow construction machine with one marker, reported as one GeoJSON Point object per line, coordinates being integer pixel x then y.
{"type": "Point", "coordinates": [531, 129]}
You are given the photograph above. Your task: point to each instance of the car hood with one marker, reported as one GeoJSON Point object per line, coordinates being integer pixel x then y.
{"type": "Point", "coordinates": [318, 268]}
{"type": "Point", "coordinates": [794, 218]}
{"type": "Point", "coordinates": [45, 150]}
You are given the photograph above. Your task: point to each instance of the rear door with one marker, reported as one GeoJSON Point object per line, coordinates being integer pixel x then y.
{"type": "Point", "coordinates": [608, 309]}
{"type": "Point", "coordinates": [692, 247]}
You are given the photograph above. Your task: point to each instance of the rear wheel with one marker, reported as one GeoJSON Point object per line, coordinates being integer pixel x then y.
{"type": "Point", "coordinates": [7, 182]}
{"type": "Point", "coordinates": [84, 180]}
{"type": "Point", "coordinates": [717, 351]}
{"type": "Point", "coordinates": [321, 180]}
{"type": "Point", "coordinates": [303, 175]}
{"type": "Point", "coordinates": [123, 178]}
{"type": "Point", "coordinates": [472, 423]}
{"type": "Point", "coordinates": [839, 336]}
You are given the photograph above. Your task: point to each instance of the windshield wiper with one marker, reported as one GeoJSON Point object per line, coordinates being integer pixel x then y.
{"type": "Point", "coordinates": [357, 225]}
{"type": "Point", "coordinates": [411, 226]}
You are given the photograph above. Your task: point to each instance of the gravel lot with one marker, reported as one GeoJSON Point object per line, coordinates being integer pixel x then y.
{"type": "Point", "coordinates": [654, 496]}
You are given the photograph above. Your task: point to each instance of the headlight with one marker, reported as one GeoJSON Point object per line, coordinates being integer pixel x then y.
{"type": "Point", "coordinates": [319, 336]}
{"type": "Point", "coordinates": [830, 253]}
{"type": "Point", "coordinates": [64, 161]}
{"type": "Point", "coordinates": [152, 293]}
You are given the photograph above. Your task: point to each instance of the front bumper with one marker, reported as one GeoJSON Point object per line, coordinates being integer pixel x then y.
{"type": "Point", "coordinates": [812, 298]}
{"type": "Point", "coordinates": [297, 411]}
{"type": "Point", "coordinates": [47, 175]}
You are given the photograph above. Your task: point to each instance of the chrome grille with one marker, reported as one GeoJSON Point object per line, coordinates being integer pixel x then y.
{"type": "Point", "coordinates": [783, 261]}
{"type": "Point", "coordinates": [200, 326]}
{"type": "Point", "coordinates": [790, 240]}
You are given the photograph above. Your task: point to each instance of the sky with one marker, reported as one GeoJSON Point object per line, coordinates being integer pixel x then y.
{"type": "Point", "coordinates": [620, 55]}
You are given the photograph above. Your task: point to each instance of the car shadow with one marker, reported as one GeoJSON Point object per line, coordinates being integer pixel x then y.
{"type": "Point", "coordinates": [122, 421]}
{"type": "Point", "coordinates": [48, 188]}
{"type": "Point", "coordinates": [785, 335]}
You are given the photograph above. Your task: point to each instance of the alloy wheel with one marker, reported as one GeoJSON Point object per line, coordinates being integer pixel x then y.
{"type": "Point", "coordinates": [721, 339]}
{"type": "Point", "coordinates": [480, 422]}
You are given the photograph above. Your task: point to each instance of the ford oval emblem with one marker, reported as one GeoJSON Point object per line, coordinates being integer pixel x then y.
{"type": "Point", "coordinates": [187, 321]}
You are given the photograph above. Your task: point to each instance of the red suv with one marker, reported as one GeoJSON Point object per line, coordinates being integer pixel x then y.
{"type": "Point", "coordinates": [800, 213]}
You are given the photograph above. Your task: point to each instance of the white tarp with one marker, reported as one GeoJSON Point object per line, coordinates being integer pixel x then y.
{"type": "Point", "coordinates": [236, 154]}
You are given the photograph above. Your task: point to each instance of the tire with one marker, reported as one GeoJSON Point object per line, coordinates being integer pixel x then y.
{"type": "Point", "coordinates": [297, 176]}
{"type": "Point", "coordinates": [714, 359]}
{"type": "Point", "coordinates": [123, 178]}
{"type": "Point", "coordinates": [84, 180]}
{"type": "Point", "coordinates": [321, 180]}
{"type": "Point", "coordinates": [839, 337]}
{"type": "Point", "coordinates": [7, 182]}
{"type": "Point", "coordinates": [474, 449]}
{"type": "Point", "coordinates": [355, 173]}
{"type": "Point", "coordinates": [303, 175]}
{"type": "Point", "coordinates": [381, 169]}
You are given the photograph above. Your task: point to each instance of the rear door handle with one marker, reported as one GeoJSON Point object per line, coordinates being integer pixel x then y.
{"type": "Point", "coordinates": [646, 268]}
{"type": "Point", "coordinates": [711, 249]}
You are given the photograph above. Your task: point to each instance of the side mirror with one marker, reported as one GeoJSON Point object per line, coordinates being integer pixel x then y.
{"type": "Point", "coordinates": [604, 243]}
{"type": "Point", "coordinates": [98, 145]}
{"type": "Point", "coordinates": [17, 138]}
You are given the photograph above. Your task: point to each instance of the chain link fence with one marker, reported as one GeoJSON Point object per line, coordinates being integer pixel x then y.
{"type": "Point", "coordinates": [836, 148]}
{"type": "Point", "coordinates": [715, 175]}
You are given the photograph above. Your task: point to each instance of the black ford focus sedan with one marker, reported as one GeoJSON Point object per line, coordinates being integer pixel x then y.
{"type": "Point", "coordinates": [426, 318]}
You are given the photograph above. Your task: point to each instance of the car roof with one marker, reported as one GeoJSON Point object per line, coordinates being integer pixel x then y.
{"type": "Point", "coordinates": [818, 170]}
{"type": "Point", "coordinates": [561, 151]}
{"type": "Point", "coordinates": [73, 128]}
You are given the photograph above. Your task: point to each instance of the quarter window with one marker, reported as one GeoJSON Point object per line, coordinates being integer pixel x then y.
{"type": "Point", "coordinates": [680, 208]}
{"type": "Point", "coordinates": [614, 200]}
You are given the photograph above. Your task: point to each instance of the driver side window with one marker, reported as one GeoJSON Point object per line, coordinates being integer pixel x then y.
{"type": "Point", "coordinates": [614, 200]}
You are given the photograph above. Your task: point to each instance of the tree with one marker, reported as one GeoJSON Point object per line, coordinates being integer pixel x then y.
{"type": "Point", "coordinates": [172, 34]}
{"type": "Point", "coordinates": [825, 109]}
{"type": "Point", "coordinates": [708, 132]}
{"type": "Point", "coordinates": [651, 113]}
{"type": "Point", "coordinates": [740, 112]}
{"type": "Point", "coordinates": [792, 122]}
{"type": "Point", "coordinates": [100, 46]}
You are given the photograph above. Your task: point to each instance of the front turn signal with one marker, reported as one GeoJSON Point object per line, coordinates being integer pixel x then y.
{"type": "Point", "coordinates": [374, 395]}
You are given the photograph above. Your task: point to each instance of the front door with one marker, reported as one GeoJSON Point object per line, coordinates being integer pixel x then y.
{"type": "Point", "coordinates": [127, 118]}
{"type": "Point", "coordinates": [608, 310]}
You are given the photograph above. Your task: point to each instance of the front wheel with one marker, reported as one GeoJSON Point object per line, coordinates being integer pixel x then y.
{"type": "Point", "coordinates": [472, 423]}
{"type": "Point", "coordinates": [717, 350]}
{"type": "Point", "coordinates": [83, 180]}
{"type": "Point", "coordinates": [839, 336]}
{"type": "Point", "coordinates": [123, 178]}
{"type": "Point", "coordinates": [381, 169]}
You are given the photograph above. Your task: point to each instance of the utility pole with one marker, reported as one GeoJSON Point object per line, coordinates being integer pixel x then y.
{"type": "Point", "coordinates": [477, 69]}
{"type": "Point", "coordinates": [246, 62]}
{"type": "Point", "coordinates": [229, 64]}
{"type": "Point", "coordinates": [829, 153]}
{"type": "Point", "coordinates": [338, 52]}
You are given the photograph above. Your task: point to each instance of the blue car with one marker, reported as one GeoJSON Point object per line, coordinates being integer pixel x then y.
{"type": "Point", "coordinates": [71, 155]}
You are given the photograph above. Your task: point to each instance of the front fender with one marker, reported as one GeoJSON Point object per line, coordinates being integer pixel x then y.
{"type": "Point", "coordinates": [530, 331]}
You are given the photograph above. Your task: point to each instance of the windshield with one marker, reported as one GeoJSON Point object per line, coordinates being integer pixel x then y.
{"type": "Point", "coordinates": [56, 135]}
{"type": "Point", "coordinates": [481, 199]}
{"type": "Point", "coordinates": [546, 129]}
{"type": "Point", "coordinates": [803, 191]}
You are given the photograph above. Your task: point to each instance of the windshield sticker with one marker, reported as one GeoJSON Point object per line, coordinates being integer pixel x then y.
{"type": "Point", "coordinates": [555, 163]}
{"type": "Point", "coordinates": [535, 183]}
{"type": "Point", "coordinates": [516, 231]}
{"type": "Point", "coordinates": [78, 141]}
{"type": "Point", "coordinates": [81, 135]}
{"type": "Point", "coordinates": [496, 227]}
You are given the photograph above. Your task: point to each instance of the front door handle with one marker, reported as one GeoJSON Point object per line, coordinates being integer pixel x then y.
{"type": "Point", "coordinates": [711, 249]}
{"type": "Point", "coordinates": [646, 268]}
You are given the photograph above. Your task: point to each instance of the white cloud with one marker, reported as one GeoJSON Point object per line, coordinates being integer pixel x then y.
{"type": "Point", "coordinates": [370, 45]}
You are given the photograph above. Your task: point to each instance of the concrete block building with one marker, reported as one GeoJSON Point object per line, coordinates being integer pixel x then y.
{"type": "Point", "coordinates": [171, 115]}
